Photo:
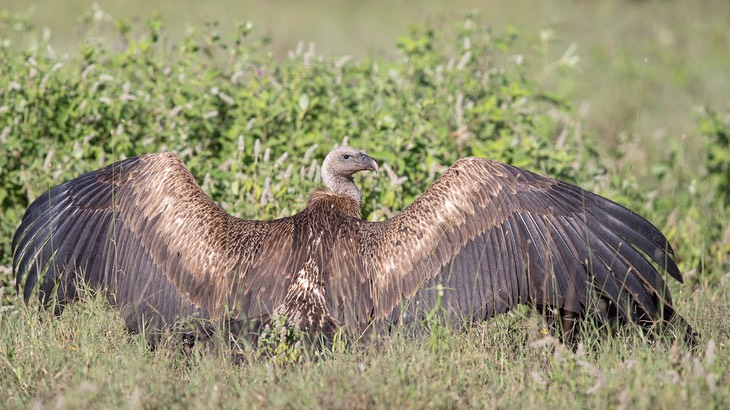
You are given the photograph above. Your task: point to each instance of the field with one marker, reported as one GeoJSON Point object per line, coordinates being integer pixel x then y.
{"type": "Point", "coordinates": [631, 103]}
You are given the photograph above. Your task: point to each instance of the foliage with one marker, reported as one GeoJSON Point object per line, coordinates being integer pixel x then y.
{"type": "Point", "coordinates": [281, 343]}
{"type": "Point", "coordinates": [717, 127]}
{"type": "Point", "coordinates": [253, 130]}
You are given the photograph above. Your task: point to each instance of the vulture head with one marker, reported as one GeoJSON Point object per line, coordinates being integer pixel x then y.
{"type": "Point", "coordinates": [339, 166]}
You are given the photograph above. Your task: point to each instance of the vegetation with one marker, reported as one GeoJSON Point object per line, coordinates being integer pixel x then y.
{"type": "Point", "coordinates": [84, 358]}
{"type": "Point", "coordinates": [253, 129]}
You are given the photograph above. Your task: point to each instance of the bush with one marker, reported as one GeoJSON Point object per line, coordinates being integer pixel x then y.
{"type": "Point", "coordinates": [717, 128]}
{"type": "Point", "coordinates": [253, 129]}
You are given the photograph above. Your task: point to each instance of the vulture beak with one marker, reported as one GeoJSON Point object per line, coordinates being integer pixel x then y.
{"type": "Point", "coordinates": [368, 162]}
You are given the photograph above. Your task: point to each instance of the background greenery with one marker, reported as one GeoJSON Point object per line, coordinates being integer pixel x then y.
{"type": "Point", "coordinates": [630, 103]}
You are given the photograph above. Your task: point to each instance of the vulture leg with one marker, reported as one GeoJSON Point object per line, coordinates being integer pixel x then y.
{"type": "Point", "coordinates": [568, 326]}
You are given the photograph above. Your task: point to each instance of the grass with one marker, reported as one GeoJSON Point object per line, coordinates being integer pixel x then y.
{"type": "Point", "coordinates": [84, 358]}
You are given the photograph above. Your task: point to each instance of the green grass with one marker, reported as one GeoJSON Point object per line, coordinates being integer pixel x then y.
{"type": "Point", "coordinates": [85, 359]}
{"type": "Point", "coordinates": [233, 106]}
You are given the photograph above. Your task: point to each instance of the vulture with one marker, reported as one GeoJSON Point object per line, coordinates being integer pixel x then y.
{"type": "Point", "coordinates": [484, 238]}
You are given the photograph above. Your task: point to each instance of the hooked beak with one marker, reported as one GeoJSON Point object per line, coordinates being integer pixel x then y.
{"type": "Point", "coordinates": [368, 162]}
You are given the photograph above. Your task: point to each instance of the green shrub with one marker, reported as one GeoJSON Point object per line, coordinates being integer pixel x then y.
{"type": "Point", "coordinates": [253, 129]}
{"type": "Point", "coordinates": [716, 127]}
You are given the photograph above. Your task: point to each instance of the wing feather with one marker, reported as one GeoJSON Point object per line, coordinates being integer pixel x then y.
{"type": "Point", "coordinates": [67, 251]}
{"type": "Point", "coordinates": [626, 258]}
{"type": "Point", "coordinates": [659, 251]}
{"type": "Point", "coordinates": [498, 281]}
{"type": "Point", "coordinates": [144, 230]}
{"type": "Point", "coordinates": [496, 236]}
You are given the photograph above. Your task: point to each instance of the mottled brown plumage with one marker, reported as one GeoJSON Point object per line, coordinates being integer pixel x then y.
{"type": "Point", "coordinates": [483, 238]}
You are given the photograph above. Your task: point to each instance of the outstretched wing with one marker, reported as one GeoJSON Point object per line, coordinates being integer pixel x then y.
{"type": "Point", "coordinates": [487, 236]}
{"type": "Point", "coordinates": [143, 230]}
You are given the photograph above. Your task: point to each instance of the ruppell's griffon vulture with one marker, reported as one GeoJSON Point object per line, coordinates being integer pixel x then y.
{"type": "Point", "coordinates": [486, 235]}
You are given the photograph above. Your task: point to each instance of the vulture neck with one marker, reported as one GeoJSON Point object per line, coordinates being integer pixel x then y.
{"type": "Point", "coordinates": [341, 185]}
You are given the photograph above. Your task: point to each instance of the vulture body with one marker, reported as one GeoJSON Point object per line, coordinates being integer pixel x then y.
{"type": "Point", "coordinates": [482, 239]}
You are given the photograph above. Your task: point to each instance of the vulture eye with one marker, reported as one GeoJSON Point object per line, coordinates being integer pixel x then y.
{"type": "Point", "coordinates": [346, 156]}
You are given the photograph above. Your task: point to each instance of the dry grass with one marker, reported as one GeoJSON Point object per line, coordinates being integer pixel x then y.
{"type": "Point", "coordinates": [85, 359]}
